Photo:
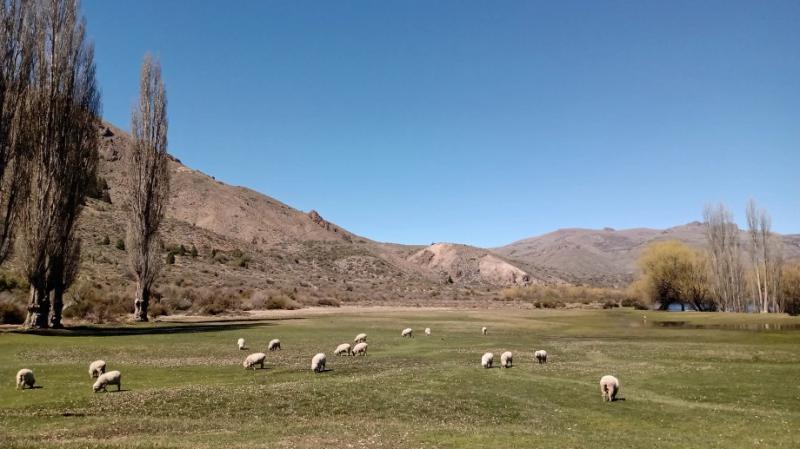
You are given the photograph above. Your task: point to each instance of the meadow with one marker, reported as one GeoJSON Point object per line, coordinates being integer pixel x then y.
{"type": "Point", "coordinates": [707, 382]}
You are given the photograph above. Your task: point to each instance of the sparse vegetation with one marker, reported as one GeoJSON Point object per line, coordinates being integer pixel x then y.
{"type": "Point", "coordinates": [555, 297]}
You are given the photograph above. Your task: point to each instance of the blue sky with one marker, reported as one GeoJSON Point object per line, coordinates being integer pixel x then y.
{"type": "Point", "coordinates": [475, 122]}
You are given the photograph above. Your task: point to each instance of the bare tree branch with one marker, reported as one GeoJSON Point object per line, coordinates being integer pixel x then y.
{"type": "Point", "coordinates": [147, 182]}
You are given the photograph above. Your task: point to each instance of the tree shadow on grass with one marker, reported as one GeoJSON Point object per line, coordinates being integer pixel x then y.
{"type": "Point", "coordinates": [156, 329]}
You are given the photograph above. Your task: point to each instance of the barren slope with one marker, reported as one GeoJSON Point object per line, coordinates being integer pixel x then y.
{"type": "Point", "coordinates": [606, 256]}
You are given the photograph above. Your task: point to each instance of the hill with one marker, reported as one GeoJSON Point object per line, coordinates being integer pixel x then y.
{"type": "Point", "coordinates": [606, 257]}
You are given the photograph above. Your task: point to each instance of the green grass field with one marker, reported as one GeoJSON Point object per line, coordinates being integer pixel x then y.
{"type": "Point", "coordinates": [184, 385]}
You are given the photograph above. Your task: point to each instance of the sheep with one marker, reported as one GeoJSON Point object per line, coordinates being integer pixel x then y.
{"type": "Point", "coordinates": [274, 345]}
{"type": "Point", "coordinates": [360, 338]}
{"type": "Point", "coordinates": [318, 363]}
{"type": "Point", "coordinates": [609, 387]}
{"type": "Point", "coordinates": [540, 356]}
{"type": "Point", "coordinates": [487, 359]}
{"type": "Point", "coordinates": [109, 378]}
{"type": "Point", "coordinates": [484, 330]}
{"type": "Point", "coordinates": [360, 349]}
{"type": "Point", "coordinates": [407, 332]}
{"type": "Point", "coordinates": [506, 359]}
{"type": "Point", "coordinates": [97, 368]}
{"type": "Point", "coordinates": [25, 379]}
{"type": "Point", "coordinates": [343, 349]}
{"type": "Point", "coordinates": [428, 331]}
{"type": "Point", "coordinates": [257, 358]}
{"type": "Point", "coordinates": [240, 342]}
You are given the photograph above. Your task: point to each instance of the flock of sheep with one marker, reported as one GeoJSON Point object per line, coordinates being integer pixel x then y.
{"type": "Point", "coordinates": [609, 385]}
{"type": "Point", "coordinates": [97, 370]}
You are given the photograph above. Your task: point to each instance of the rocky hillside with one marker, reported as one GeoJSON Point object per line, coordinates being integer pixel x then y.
{"type": "Point", "coordinates": [230, 239]}
{"type": "Point", "coordinates": [465, 264]}
{"type": "Point", "coordinates": [223, 240]}
{"type": "Point", "coordinates": [605, 257]}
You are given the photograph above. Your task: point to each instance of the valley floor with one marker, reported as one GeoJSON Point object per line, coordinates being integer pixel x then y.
{"type": "Point", "coordinates": [684, 386]}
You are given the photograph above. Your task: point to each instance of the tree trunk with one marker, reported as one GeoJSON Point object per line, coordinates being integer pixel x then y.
{"type": "Point", "coordinates": [141, 303]}
{"type": "Point", "coordinates": [57, 306]}
{"type": "Point", "coordinates": [38, 309]}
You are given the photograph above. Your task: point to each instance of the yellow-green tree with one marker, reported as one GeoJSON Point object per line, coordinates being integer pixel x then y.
{"type": "Point", "coordinates": [790, 289]}
{"type": "Point", "coordinates": [673, 273]}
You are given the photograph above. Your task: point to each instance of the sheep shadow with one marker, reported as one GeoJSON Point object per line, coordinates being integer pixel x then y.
{"type": "Point", "coordinates": [123, 390]}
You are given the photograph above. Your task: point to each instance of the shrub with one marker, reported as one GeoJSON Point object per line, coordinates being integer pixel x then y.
{"type": "Point", "coordinates": [281, 302]}
{"type": "Point", "coordinates": [215, 305]}
{"type": "Point", "coordinates": [105, 241]}
{"type": "Point", "coordinates": [121, 244]}
{"type": "Point", "coordinates": [550, 297]}
{"type": "Point", "coordinates": [87, 302]}
{"type": "Point", "coordinates": [329, 302]}
{"type": "Point", "coordinates": [9, 281]}
{"type": "Point", "coordinates": [636, 303]}
{"type": "Point", "coordinates": [193, 252]}
{"type": "Point", "coordinates": [158, 308]}
{"type": "Point", "coordinates": [11, 312]}
{"type": "Point", "coordinates": [610, 304]}
{"type": "Point", "coordinates": [170, 258]}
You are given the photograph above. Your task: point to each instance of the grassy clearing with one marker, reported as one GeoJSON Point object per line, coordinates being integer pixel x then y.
{"type": "Point", "coordinates": [184, 385]}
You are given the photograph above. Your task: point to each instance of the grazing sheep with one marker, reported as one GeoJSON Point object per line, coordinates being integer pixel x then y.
{"type": "Point", "coordinates": [25, 379]}
{"type": "Point", "coordinates": [484, 330]}
{"type": "Point", "coordinates": [487, 359]}
{"type": "Point", "coordinates": [408, 332]}
{"type": "Point", "coordinates": [343, 349]}
{"type": "Point", "coordinates": [97, 368]}
{"type": "Point", "coordinates": [609, 387]}
{"type": "Point", "coordinates": [109, 378]}
{"type": "Point", "coordinates": [360, 338]}
{"type": "Point", "coordinates": [506, 359]}
{"type": "Point", "coordinates": [240, 342]}
{"type": "Point", "coordinates": [360, 349]}
{"type": "Point", "coordinates": [428, 331]}
{"type": "Point", "coordinates": [274, 345]}
{"type": "Point", "coordinates": [540, 356]}
{"type": "Point", "coordinates": [257, 358]}
{"type": "Point", "coordinates": [318, 363]}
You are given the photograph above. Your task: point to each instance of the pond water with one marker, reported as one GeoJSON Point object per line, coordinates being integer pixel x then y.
{"type": "Point", "coordinates": [764, 327]}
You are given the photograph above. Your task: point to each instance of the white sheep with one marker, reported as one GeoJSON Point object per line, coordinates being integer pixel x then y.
{"type": "Point", "coordinates": [25, 379]}
{"type": "Point", "coordinates": [274, 345]}
{"type": "Point", "coordinates": [240, 342]}
{"type": "Point", "coordinates": [360, 338]}
{"type": "Point", "coordinates": [360, 349]}
{"type": "Point", "coordinates": [484, 330]}
{"type": "Point", "coordinates": [318, 363]}
{"type": "Point", "coordinates": [407, 332]}
{"type": "Point", "coordinates": [506, 359]}
{"type": "Point", "coordinates": [257, 358]}
{"type": "Point", "coordinates": [97, 368]}
{"type": "Point", "coordinates": [540, 356]}
{"type": "Point", "coordinates": [609, 387]}
{"type": "Point", "coordinates": [343, 349]}
{"type": "Point", "coordinates": [487, 359]}
{"type": "Point", "coordinates": [428, 331]}
{"type": "Point", "coordinates": [109, 378]}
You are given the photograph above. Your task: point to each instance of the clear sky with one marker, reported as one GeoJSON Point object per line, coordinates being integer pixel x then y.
{"type": "Point", "coordinates": [471, 121]}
